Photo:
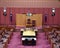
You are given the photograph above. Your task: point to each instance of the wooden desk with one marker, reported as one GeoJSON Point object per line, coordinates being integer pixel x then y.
{"type": "Point", "coordinates": [57, 45]}
{"type": "Point", "coordinates": [29, 37]}
{"type": "Point", "coordinates": [58, 32]}
{"type": "Point", "coordinates": [2, 45]}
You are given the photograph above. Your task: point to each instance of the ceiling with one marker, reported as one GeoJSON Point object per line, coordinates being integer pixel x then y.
{"type": "Point", "coordinates": [30, 3]}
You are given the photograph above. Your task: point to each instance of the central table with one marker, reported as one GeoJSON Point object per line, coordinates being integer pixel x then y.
{"type": "Point", "coordinates": [29, 37]}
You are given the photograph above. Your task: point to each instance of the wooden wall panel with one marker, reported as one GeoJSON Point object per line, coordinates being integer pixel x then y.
{"type": "Point", "coordinates": [21, 19]}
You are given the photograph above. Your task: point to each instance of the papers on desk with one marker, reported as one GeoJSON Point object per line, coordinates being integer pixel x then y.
{"type": "Point", "coordinates": [50, 36]}
{"type": "Point", "coordinates": [35, 29]}
{"type": "Point", "coordinates": [53, 40]}
{"type": "Point", "coordinates": [56, 45]}
{"type": "Point", "coordinates": [22, 30]}
{"type": "Point", "coordinates": [7, 35]}
{"type": "Point", "coordinates": [4, 39]}
{"type": "Point", "coordinates": [1, 45]}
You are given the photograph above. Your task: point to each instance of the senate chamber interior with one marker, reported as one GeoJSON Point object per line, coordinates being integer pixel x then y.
{"type": "Point", "coordinates": [29, 23]}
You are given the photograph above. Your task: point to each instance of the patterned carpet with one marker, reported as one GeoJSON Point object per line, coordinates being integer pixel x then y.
{"type": "Point", "coordinates": [42, 41]}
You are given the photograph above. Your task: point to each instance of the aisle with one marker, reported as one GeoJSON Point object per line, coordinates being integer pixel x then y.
{"type": "Point", "coordinates": [15, 42]}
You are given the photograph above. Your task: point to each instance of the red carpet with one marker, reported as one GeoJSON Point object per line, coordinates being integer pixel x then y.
{"type": "Point", "coordinates": [15, 42]}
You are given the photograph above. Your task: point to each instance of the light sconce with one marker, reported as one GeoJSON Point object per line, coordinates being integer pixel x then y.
{"type": "Point", "coordinates": [46, 17]}
{"type": "Point", "coordinates": [29, 13]}
{"type": "Point", "coordinates": [53, 11]}
{"type": "Point", "coordinates": [4, 12]}
{"type": "Point", "coordinates": [10, 13]}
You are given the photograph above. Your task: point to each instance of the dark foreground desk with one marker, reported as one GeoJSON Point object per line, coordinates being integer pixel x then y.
{"type": "Point", "coordinates": [29, 41]}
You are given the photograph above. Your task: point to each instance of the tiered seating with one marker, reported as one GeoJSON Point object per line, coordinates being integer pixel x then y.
{"type": "Point", "coordinates": [53, 35]}
{"type": "Point", "coordinates": [5, 35]}
{"type": "Point", "coordinates": [54, 38]}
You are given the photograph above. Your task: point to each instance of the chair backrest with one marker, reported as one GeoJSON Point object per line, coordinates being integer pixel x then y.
{"type": "Point", "coordinates": [33, 23]}
{"type": "Point", "coordinates": [28, 21]}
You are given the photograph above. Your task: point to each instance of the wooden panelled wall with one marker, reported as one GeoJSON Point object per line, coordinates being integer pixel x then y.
{"type": "Point", "coordinates": [50, 19]}
{"type": "Point", "coordinates": [21, 19]}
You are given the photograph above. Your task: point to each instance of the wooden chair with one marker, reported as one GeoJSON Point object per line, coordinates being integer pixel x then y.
{"type": "Point", "coordinates": [28, 23]}
{"type": "Point", "coordinates": [33, 23]}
